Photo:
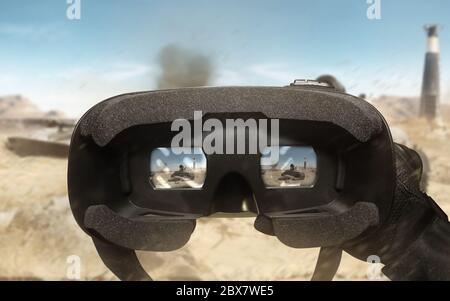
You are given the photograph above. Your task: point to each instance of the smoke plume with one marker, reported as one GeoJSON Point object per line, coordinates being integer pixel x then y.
{"type": "Point", "coordinates": [183, 68]}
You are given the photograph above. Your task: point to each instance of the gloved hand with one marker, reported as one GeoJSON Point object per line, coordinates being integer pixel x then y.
{"type": "Point", "coordinates": [414, 243]}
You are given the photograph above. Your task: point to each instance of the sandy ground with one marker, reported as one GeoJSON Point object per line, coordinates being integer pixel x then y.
{"type": "Point", "coordinates": [165, 180]}
{"type": "Point", "coordinates": [38, 233]}
{"type": "Point", "coordinates": [275, 178]}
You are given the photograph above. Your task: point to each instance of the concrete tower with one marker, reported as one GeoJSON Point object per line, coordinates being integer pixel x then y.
{"type": "Point", "coordinates": [430, 85]}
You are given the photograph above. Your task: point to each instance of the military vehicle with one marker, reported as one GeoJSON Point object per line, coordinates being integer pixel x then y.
{"type": "Point", "coordinates": [181, 175]}
{"type": "Point", "coordinates": [292, 175]}
{"type": "Point", "coordinates": [46, 137]}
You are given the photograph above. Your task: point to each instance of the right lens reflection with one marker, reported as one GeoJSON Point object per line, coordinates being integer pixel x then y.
{"type": "Point", "coordinates": [295, 167]}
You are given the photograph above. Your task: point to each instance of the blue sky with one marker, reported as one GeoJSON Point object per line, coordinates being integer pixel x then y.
{"type": "Point", "coordinates": [162, 158]}
{"type": "Point", "coordinates": [291, 155]}
{"type": "Point", "coordinates": [71, 65]}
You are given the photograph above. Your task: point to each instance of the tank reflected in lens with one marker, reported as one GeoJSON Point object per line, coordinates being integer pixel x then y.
{"type": "Point", "coordinates": [177, 168]}
{"type": "Point", "coordinates": [296, 167]}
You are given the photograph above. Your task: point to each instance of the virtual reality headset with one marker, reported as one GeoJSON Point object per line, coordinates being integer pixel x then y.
{"type": "Point", "coordinates": [313, 165]}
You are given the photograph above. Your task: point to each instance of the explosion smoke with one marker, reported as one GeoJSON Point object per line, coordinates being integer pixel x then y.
{"type": "Point", "coordinates": [183, 68]}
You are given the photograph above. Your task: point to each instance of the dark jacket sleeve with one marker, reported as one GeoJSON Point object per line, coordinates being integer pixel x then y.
{"type": "Point", "coordinates": [414, 242]}
{"type": "Point", "coordinates": [428, 258]}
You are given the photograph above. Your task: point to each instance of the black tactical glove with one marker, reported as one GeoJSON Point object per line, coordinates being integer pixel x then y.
{"type": "Point", "coordinates": [414, 243]}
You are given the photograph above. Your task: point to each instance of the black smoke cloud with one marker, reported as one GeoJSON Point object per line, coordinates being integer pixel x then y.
{"type": "Point", "coordinates": [183, 68]}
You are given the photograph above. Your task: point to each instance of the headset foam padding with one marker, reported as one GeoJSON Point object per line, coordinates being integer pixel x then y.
{"type": "Point", "coordinates": [140, 233]}
{"type": "Point", "coordinates": [110, 117]}
{"type": "Point", "coordinates": [324, 229]}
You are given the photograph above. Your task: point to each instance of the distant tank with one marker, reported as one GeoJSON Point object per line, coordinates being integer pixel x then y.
{"type": "Point", "coordinates": [292, 175]}
{"type": "Point", "coordinates": [46, 137]}
{"type": "Point", "coordinates": [181, 175]}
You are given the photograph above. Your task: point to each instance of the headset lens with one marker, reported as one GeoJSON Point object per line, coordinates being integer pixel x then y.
{"type": "Point", "coordinates": [293, 166]}
{"type": "Point", "coordinates": [177, 168]}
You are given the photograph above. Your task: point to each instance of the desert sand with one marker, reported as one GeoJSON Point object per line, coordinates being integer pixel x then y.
{"type": "Point", "coordinates": [38, 232]}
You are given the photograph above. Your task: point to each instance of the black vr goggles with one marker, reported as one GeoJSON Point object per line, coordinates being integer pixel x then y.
{"type": "Point", "coordinates": [130, 188]}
